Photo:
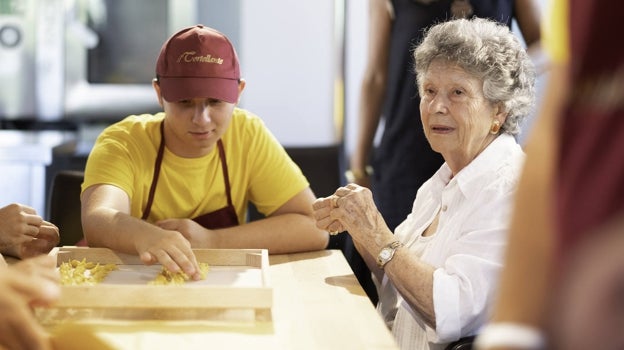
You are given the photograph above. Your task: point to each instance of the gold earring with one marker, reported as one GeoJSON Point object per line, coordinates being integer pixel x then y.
{"type": "Point", "coordinates": [495, 128]}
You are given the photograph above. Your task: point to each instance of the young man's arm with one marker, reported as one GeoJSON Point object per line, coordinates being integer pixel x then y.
{"type": "Point", "coordinates": [107, 222]}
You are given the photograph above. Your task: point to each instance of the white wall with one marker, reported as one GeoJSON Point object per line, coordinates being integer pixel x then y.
{"type": "Point", "coordinates": [287, 59]}
{"type": "Point", "coordinates": [356, 46]}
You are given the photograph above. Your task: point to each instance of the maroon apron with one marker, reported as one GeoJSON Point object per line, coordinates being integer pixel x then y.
{"type": "Point", "coordinates": [220, 218]}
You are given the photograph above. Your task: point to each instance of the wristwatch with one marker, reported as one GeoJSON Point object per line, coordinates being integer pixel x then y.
{"type": "Point", "coordinates": [387, 253]}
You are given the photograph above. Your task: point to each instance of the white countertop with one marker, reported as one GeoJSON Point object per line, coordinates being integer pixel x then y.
{"type": "Point", "coordinates": [31, 146]}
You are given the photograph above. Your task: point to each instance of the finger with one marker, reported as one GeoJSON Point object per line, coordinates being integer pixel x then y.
{"type": "Point", "coordinates": [335, 227]}
{"type": "Point", "coordinates": [36, 247]}
{"type": "Point", "coordinates": [37, 289]}
{"type": "Point", "coordinates": [49, 233]}
{"type": "Point", "coordinates": [50, 292]}
{"type": "Point", "coordinates": [343, 191]}
{"type": "Point", "coordinates": [32, 219]}
{"type": "Point", "coordinates": [22, 239]}
{"type": "Point", "coordinates": [27, 209]}
{"type": "Point", "coordinates": [321, 203]}
{"type": "Point", "coordinates": [42, 266]}
{"type": "Point", "coordinates": [334, 201]}
{"type": "Point", "coordinates": [51, 276]}
{"type": "Point", "coordinates": [165, 260]}
{"type": "Point", "coordinates": [188, 262]}
{"type": "Point", "coordinates": [332, 222]}
{"type": "Point", "coordinates": [176, 260]}
{"type": "Point", "coordinates": [352, 187]}
{"type": "Point", "coordinates": [30, 231]}
{"type": "Point", "coordinates": [49, 272]}
{"type": "Point", "coordinates": [147, 258]}
{"type": "Point", "coordinates": [47, 223]}
{"type": "Point", "coordinates": [42, 262]}
{"type": "Point", "coordinates": [21, 330]}
{"type": "Point", "coordinates": [324, 223]}
{"type": "Point", "coordinates": [322, 212]}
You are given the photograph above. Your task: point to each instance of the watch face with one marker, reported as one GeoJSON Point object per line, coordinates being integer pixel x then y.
{"type": "Point", "coordinates": [385, 253]}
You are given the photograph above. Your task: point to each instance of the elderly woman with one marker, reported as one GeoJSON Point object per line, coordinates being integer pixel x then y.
{"type": "Point", "coordinates": [436, 276]}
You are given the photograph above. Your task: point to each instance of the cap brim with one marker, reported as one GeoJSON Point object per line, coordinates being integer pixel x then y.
{"type": "Point", "coordinates": [178, 89]}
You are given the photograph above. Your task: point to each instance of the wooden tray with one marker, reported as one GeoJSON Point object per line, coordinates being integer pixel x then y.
{"type": "Point", "coordinates": [237, 280]}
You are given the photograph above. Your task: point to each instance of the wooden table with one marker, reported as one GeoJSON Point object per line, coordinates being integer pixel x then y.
{"type": "Point", "coordinates": [318, 304]}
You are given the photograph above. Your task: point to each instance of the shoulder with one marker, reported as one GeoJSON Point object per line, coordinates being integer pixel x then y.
{"type": "Point", "coordinates": [244, 118]}
{"type": "Point", "coordinates": [134, 123]}
{"type": "Point", "coordinates": [246, 126]}
{"type": "Point", "coordinates": [511, 156]}
{"type": "Point", "coordinates": [496, 170]}
{"type": "Point", "coordinates": [507, 159]}
{"type": "Point", "coordinates": [134, 128]}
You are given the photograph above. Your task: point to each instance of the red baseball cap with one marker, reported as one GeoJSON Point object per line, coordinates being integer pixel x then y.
{"type": "Point", "coordinates": [196, 62]}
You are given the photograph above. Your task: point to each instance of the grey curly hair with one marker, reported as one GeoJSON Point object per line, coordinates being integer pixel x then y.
{"type": "Point", "coordinates": [489, 51]}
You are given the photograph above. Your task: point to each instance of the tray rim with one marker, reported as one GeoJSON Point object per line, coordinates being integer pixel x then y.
{"type": "Point", "coordinates": [171, 296]}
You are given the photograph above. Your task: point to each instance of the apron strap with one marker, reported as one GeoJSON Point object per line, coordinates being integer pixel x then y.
{"type": "Point", "coordinates": [159, 158]}
{"type": "Point", "coordinates": [225, 172]}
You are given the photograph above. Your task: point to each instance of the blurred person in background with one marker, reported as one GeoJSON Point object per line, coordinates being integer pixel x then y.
{"type": "Point", "coordinates": [436, 275]}
{"type": "Point", "coordinates": [563, 283]}
{"type": "Point", "coordinates": [404, 160]}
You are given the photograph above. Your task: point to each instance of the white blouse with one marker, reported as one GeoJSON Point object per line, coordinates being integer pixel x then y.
{"type": "Point", "coordinates": [466, 250]}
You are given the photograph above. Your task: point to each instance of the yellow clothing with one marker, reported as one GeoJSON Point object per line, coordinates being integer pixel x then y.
{"type": "Point", "coordinates": [259, 168]}
{"type": "Point", "coordinates": [555, 34]}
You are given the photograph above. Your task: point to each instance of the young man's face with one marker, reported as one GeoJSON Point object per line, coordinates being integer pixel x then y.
{"type": "Point", "coordinates": [193, 127]}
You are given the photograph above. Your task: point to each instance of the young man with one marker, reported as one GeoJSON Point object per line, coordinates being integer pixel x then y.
{"type": "Point", "coordinates": [159, 185]}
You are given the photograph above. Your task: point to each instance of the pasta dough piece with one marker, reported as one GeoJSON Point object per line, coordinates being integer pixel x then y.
{"type": "Point", "coordinates": [82, 272]}
{"type": "Point", "coordinates": [166, 277]}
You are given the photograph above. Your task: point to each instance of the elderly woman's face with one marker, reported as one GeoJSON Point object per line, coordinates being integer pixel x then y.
{"type": "Point", "coordinates": [456, 116]}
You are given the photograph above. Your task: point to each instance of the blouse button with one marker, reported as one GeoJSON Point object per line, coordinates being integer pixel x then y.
{"type": "Point", "coordinates": [444, 207]}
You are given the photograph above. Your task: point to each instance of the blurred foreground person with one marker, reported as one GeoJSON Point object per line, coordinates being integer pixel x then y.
{"type": "Point", "coordinates": [563, 283]}
{"type": "Point", "coordinates": [24, 284]}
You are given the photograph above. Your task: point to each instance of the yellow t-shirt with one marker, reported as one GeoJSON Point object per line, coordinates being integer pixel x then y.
{"type": "Point", "coordinates": [259, 168]}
